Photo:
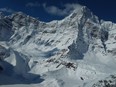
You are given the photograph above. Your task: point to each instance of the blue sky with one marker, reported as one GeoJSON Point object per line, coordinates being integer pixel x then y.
{"type": "Point", "coordinates": [48, 10]}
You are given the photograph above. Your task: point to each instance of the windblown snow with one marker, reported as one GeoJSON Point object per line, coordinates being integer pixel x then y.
{"type": "Point", "coordinates": [78, 51]}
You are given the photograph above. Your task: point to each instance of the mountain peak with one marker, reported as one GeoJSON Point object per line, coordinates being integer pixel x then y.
{"type": "Point", "coordinates": [76, 49]}
{"type": "Point", "coordinates": [18, 14]}
{"type": "Point", "coordinates": [80, 11]}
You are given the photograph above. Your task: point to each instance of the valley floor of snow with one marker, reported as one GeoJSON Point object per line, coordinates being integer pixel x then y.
{"type": "Point", "coordinates": [45, 74]}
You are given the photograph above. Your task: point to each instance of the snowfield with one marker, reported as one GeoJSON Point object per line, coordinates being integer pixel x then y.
{"type": "Point", "coordinates": [78, 51]}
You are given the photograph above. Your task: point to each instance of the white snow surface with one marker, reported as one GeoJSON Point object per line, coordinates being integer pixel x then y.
{"type": "Point", "coordinates": [36, 54]}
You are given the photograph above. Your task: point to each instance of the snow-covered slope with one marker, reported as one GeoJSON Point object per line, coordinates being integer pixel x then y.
{"type": "Point", "coordinates": [77, 51]}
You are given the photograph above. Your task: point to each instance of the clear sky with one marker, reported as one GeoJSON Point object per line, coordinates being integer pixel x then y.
{"type": "Point", "coordinates": [48, 10]}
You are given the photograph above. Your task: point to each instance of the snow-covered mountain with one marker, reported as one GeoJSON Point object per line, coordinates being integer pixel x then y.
{"type": "Point", "coordinates": [78, 51]}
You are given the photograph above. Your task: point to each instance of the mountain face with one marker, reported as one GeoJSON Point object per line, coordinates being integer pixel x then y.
{"type": "Point", "coordinates": [78, 51]}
